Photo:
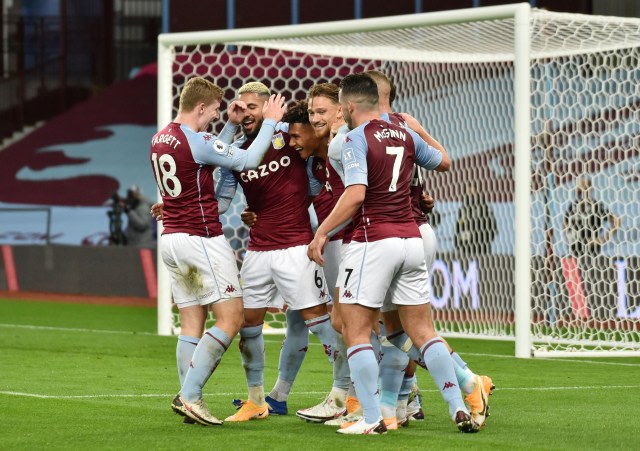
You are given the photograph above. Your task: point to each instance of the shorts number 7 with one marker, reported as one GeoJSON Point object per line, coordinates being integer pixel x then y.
{"type": "Point", "coordinates": [348, 271]}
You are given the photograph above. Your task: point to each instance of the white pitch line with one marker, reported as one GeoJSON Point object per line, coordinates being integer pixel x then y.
{"type": "Point", "coordinates": [123, 395]}
{"type": "Point", "coordinates": [73, 329]}
{"type": "Point", "coordinates": [279, 338]}
{"type": "Point", "coordinates": [558, 359]}
{"type": "Point", "coordinates": [218, 394]}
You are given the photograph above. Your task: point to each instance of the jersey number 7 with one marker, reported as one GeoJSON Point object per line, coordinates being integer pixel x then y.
{"type": "Point", "coordinates": [397, 152]}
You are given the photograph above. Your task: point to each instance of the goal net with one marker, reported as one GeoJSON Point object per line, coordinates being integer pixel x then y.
{"type": "Point", "coordinates": [538, 221]}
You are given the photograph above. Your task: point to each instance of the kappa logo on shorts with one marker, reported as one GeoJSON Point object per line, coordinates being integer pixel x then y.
{"type": "Point", "coordinates": [322, 294]}
{"type": "Point", "coordinates": [347, 294]}
{"type": "Point", "coordinates": [207, 137]}
{"type": "Point", "coordinates": [230, 289]}
{"type": "Point", "coordinates": [277, 141]}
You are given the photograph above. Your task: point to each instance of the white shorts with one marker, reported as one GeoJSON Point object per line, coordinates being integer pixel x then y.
{"type": "Point", "coordinates": [203, 270]}
{"type": "Point", "coordinates": [394, 265]}
{"type": "Point", "coordinates": [430, 243]}
{"type": "Point", "coordinates": [288, 272]}
{"type": "Point", "coordinates": [332, 257]}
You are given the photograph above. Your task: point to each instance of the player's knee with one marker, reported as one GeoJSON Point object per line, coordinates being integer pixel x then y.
{"type": "Point", "coordinates": [253, 317]}
{"type": "Point", "coordinates": [235, 324]}
{"type": "Point", "coordinates": [247, 332]}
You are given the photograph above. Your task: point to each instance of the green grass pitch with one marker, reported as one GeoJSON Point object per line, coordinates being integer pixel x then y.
{"type": "Point", "coordinates": [97, 377]}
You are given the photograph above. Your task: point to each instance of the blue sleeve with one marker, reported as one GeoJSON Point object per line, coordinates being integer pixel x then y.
{"type": "Point", "coordinates": [426, 156]}
{"type": "Point", "coordinates": [206, 149]}
{"type": "Point", "coordinates": [313, 217]}
{"type": "Point", "coordinates": [315, 185]}
{"type": "Point", "coordinates": [335, 151]}
{"type": "Point", "coordinates": [354, 158]}
{"type": "Point", "coordinates": [228, 133]}
{"type": "Point", "coordinates": [225, 189]}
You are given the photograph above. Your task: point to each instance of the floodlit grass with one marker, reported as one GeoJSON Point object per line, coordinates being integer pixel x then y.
{"type": "Point", "coordinates": [97, 377]}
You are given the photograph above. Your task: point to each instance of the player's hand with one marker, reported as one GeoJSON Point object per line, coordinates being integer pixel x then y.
{"type": "Point", "coordinates": [157, 210]}
{"type": "Point", "coordinates": [249, 217]}
{"type": "Point", "coordinates": [426, 203]}
{"type": "Point", "coordinates": [237, 111]}
{"type": "Point", "coordinates": [314, 251]}
{"type": "Point", "coordinates": [274, 108]}
{"type": "Point", "coordinates": [411, 121]}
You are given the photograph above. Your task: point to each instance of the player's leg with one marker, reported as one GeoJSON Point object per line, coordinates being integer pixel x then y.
{"type": "Point", "coordinates": [292, 354]}
{"type": "Point", "coordinates": [212, 346]}
{"type": "Point", "coordinates": [302, 285]}
{"type": "Point", "coordinates": [410, 291]}
{"type": "Point", "coordinates": [410, 398]}
{"type": "Point", "coordinates": [192, 321]}
{"type": "Point", "coordinates": [192, 314]}
{"type": "Point", "coordinates": [392, 366]}
{"type": "Point", "coordinates": [209, 265]}
{"type": "Point", "coordinates": [476, 388]}
{"type": "Point", "coordinates": [259, 292]}
{"type": "Point", "coordinates": [365, 275]}
{"type": "Point", "coordinates": [469, 383]}
{"type": "Point", "coordinates": [363, 365]}
{"type": "Point", "coordinates": [334, 404]}
{"type": "Point", "coordinates": [417, 322]}
{"type": "Point", "coordinates": [294, 346]}
{"type": "Point", "coordinates": [332, 259]}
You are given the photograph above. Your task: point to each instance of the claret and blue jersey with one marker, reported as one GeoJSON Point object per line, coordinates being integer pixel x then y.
{"type": "Point", "coordinates": [381, 156]}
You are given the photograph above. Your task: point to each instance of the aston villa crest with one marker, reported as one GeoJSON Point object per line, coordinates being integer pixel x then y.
{"type": "Point", "coordinates": [277, 141]}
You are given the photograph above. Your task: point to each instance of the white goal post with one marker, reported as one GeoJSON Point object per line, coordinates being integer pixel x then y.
{"type": "Point", "coordinates": [540, 113]}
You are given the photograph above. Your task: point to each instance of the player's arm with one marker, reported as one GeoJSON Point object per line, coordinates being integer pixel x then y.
{"type": "Point", "coordinates": [315, 185]}
{"type": "Point", "coordinates": [354, 160]}
{"type": "Point", "coordinates": [236, 113]}
{"type": "Point", "coordinates": [225, 189]}
{"type": "Point", "coordinates": [351, 199]}
{"type": "Point", "coordinates": [416, 127]}
{"type": "Point", "coordinates": [232, 157]}
{"type": "Point", "coordinates": [428, 156]}
{"type": "Point", "coordinates": [335, 151]}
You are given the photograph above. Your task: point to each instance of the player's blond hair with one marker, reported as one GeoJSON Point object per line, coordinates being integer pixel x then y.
{"type": "Point", "coordinates": [255, 87]}
{"type": "Point", "coordinates": [199, 90]}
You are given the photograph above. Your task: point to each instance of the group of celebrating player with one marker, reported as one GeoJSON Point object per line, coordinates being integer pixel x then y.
{"type": "Point", "coordinates": [343, 158]}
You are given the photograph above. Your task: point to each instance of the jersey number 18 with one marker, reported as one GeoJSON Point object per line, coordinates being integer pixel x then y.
{"type": "Point", "coordinates": [168, 168]}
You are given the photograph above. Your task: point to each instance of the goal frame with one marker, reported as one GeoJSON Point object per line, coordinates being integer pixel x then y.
{"type": "Point", "coordinates": [522, 92]}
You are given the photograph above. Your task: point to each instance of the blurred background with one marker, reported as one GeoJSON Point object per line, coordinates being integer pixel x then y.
{"type": "Point", "coordinates": [77, 109]}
